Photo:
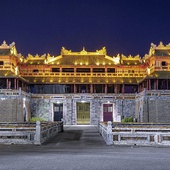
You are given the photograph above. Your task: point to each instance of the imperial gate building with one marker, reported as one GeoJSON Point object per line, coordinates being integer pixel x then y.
{"type": "Point", "coordinates": [84, 87]}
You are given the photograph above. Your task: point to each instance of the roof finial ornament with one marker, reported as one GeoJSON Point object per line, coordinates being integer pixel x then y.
{"type": "Point", "coordinates": [4, 44]}
{"type": "Point", "coordinates": [161, 45]}
{"type": "Point", "coordinates": [83, 51]}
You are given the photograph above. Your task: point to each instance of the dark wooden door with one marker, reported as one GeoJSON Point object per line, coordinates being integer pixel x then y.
{"type": "Point", "coordinates": [58, 111]}
{"type": "Point", "coordinates": [107, 112]}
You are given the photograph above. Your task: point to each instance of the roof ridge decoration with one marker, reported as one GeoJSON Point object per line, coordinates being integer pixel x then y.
{"type": "Point", "coordinates": [64, 51]}
{"type": "Point", "coordinates": [83, 51]}
{"type": "Point", "coordinates": [130, 57]}
{"type": "Point", "coordinates": [36, 56]}
{"type": "Point", "coordinates": [4, 45]}
{"type": "Point", "coordinates": [10, 47]}
{"type": "Point", "coordinates": [102, 51]}
{"type": "Point", "coordinates": [161, 46]}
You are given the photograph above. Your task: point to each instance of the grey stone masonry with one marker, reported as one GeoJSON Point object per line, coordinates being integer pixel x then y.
{"type": "Point", "coordinates": [148, 106]}
{"type": "Point", "coordinates": [14, 106]}
{"type": "Point", "coordinates": [154, 106]}
{"type": "Point", "coordinates": [41, 107]}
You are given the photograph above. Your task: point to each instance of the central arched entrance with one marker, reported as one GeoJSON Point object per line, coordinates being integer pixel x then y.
{"type": "Point", "coordinates": [83, 113]}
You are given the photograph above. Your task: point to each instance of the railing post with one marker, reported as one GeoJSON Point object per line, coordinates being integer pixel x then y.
{"type": "Point", "coordinates": [38, 133]}
{"type": "Point", "coordinates": [156, 138]}
{"type": "Point", "coordinates": [109, 133]}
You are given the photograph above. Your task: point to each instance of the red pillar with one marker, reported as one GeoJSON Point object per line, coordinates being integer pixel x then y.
{"type": "Point", "coordinates": [7, 83]}
{"type": "Point", "coordinates": [115, 88]}
{"type": "Point", "coordinates": [15, 84]}
{"type": "Point", "coordinates": [123, 88]}
{"type": "Point", "coordinates": [105, 88]}
{"type": "Point", "coordinates": [139, 88]}
{"type": "Point", "coordinates": [157, 84]}
{"type": "Point", "coordinates": [149, 85]}
{"type": "Point", "coordinates": [91, 88]}
{"type": "Point", "coordinates": [94, 89]}
{"type": "Point", "coordinates": [74, 88]}
{"type": "Point", "coordinates": [167, 83]}
{"type": "Point", "coordinates": [21, 86]}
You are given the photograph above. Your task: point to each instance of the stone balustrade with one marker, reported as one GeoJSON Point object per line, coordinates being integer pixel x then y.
{"type": "Point", "coordinates": [45, 132]}
{"type": "Point", "coordinates": [28, 133]}
{"type": "Point", "coordinates": [142, 135]}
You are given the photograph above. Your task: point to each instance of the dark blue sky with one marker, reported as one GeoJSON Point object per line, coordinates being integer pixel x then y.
{"type": "Point", "coordinates": [123, 26]}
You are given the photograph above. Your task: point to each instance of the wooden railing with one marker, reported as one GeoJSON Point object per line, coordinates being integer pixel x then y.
{"type": "Point", "coordinates": [159, 68]}
{"type": "Point", "coordinates": [49, 74]}
{"type": "Point", "coordinates": [7, 67]}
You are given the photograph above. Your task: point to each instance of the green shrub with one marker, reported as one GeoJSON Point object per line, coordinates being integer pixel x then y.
{"type": "Point", "coordinates": [35, 119]}
{"type": "Point", "coordinates": [127, 119]}
{"type": "Point", "coordinates": [130, 119]}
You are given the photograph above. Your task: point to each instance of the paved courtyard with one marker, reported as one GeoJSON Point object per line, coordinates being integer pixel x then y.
{"type": "Point", "coordinates": [82, 148]}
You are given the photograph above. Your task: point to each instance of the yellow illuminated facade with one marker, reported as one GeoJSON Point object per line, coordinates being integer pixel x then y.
{"type": "Point", "coordinates": [85, 72]}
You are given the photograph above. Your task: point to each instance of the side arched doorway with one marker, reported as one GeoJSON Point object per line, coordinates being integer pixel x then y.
{"type": "Point", "coordinates": [107, 112]}
{"type": "Point", "coordinates": [58, 111]}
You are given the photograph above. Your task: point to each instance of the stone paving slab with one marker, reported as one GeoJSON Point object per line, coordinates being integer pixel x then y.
{"type": "Point", "coordinates": [82, 148]}
{"type": "Point", "coordinates": [73, 137]}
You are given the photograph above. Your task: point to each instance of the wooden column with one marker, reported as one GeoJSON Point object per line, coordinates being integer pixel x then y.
{"type": "Point", "coordinates": [91, 88]}
{"type": "Point", "coordinates": [94, 89]}
{"type": "Point", "coordinates": [143, 85]}
{"type": "Point", "coordinates": [139, 88]}
{"type": "Point", "coordinates": [115, 88]}
{"type": "Point", "coordinates": [167, 84]}
{"type": "Point", "coordinates": [105, 88]}
{"type": "Point", "coordinates": [22, 85]}
{"type": "Point", "coordinates": [157, 84]}
{"type": "Point", "coordinates": [15, 84]}
{"type": "Point", "coordinates": [149, 84]}
{"type": "Point", "coordinates": [74, 88]}
{"type": "Point", "coordinates": [60, 69]}
{"type": "Point", "coordinates": [123, 88]}
{"type": "Point", "coordinates": [7, 83]}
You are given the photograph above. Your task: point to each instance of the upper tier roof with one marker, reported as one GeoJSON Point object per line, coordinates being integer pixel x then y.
{"type": "Point", "coordinates": [6, 49]}
{"type": "Point", "coordinates": [160, 50]}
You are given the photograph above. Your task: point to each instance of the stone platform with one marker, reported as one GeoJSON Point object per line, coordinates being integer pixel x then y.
{"type": "Point", "coordinates": [82, 147]}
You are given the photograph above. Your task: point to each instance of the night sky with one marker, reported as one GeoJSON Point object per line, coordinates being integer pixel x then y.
{"type": "Point", "coordinates": [122, 26]}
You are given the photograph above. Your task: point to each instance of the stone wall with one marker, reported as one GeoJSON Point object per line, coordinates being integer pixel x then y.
{"type": "Point", "coordinates": [43, 108]}
{"type": "Point", "coordinates": [146, 108]}
{"type": "Point", "coordinates": [153, 109]}
{"type": "Point", "coordinates": [12, 110]}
